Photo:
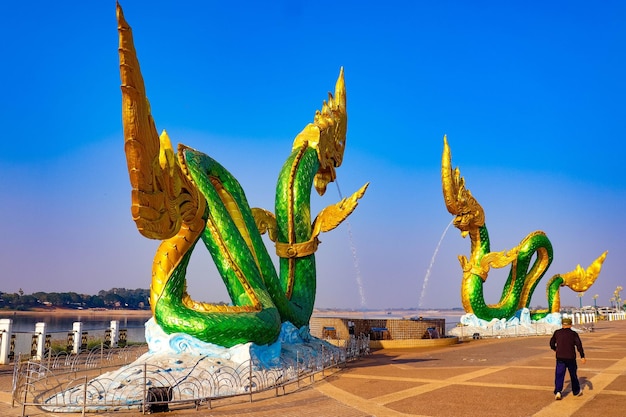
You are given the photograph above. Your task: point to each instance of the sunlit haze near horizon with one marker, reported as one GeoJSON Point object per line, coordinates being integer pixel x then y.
{"type": "Point", "coordinates": [530, 96]}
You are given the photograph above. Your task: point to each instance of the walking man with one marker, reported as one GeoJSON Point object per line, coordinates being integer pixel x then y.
{"type": "Point", "coordinates": [564, 342]}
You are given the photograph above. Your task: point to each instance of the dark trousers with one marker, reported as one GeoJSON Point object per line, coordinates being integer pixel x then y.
{"type": "Point", "coordinates": [559, 376]}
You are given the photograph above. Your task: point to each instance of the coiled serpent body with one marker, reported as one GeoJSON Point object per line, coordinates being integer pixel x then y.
{"type": "Point", "coordinates": [529, 260]}
{"type": "Point", "coordinates": [184, 197]}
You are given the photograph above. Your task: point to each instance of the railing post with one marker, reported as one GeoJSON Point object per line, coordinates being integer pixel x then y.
{"type": "Point", "coordinates": [250, 379]}
{"type": "Point", "coordinates": [77, 329]}
{"type": "Point", "coordinates": [26, 385]}
{"type": "Point", "coordinates": [16, 370]}
{"type": "Point", "coordinates": [40, 331]}
{"type": "Point", "coordinates": [101, 355]}
{"type": "Point", "coordinates": [145, 382]}
{"type": "Point", "coordinates": [49, 357]}
{"type": "Point", "coordinates": [298, 367]}
{"type": "Point", "coordinates": [85, 396]}
{"type": "Point", "coordinates": [115, 333]}
{"type": "Point", "coordinates": [323, 361]}
{"type": "Point", "coordinates": [5, 340]}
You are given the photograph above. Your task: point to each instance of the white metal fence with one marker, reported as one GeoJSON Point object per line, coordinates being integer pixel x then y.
{"type": "Point", "coordinates": [68, 383]}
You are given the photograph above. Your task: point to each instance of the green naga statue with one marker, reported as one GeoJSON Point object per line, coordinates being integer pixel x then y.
{"type": "Point", "coordinates": [524, 274]}
{"type": "Point", "coordinates": [183, 197]}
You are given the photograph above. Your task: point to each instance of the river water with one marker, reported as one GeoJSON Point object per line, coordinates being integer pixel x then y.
{"type": "Point", "coordinates": [95, 324]}
{"type": "Point", "coordinates": [58, 325]}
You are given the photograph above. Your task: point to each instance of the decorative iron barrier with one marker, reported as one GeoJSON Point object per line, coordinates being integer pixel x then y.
{"type": "Point", "coordinates": [65, 382]}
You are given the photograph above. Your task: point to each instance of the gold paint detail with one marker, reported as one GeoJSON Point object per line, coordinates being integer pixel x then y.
{"type": "Point", "coordinates": [327, 135]}
{"type": "Point", "coordinates": [203, 307]}
{"type": "Point", "coordinates": [580, 279]}
{"type": "Point", "coordinates": [493, 260]}
{"type": "Point", "coordinates": [297, 250]}
{"type": "Point", "coordinates": [332, 216]}
{"type": "Point", "coordinates": [266, 222]}
{"type": "Point", "coordinates": [168, 256]}
{"type": "Point", "coordinates": [166, 204]}
{"type": "Point", "coordinates": [225, 254]}
{"type": "Point", "coordinates": [459, 200]}
{"type": "Point", "coordinates": [556, 301]}
{"type": "Point", "coordinates": [291, 227]}
{"type": "Point", "coordinates": [536, 272]}
{"type": "Point", "coordinates": [328, 219]}
{"type": "Point", "coordinates": [161, 195]}
{"type": "Point", "coordinates": [235, 213]}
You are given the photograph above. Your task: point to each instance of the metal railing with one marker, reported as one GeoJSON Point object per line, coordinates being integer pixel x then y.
{"type": "Point", "coordinates": [80, 383]}
{"type": "Point", "coordinates": [26, 343]}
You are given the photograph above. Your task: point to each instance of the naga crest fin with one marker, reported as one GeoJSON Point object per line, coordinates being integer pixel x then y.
{"type": "Point", "coordinates": [581, 279]}
{"type": "Point", "coordinates": [332, 216]}
{"type": "Point", "coordinates": [162, 196]}
{"type": "Point", "coordinates": [327, 135]}
{"type": "Point", "coordinates": [459, 200]}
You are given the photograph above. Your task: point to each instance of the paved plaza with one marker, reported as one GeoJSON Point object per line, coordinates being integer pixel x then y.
{"type": "Point", "coordinates": [510, 377]}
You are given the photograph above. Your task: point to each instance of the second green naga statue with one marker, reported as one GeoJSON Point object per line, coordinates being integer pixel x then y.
{"type": "Point", "coordinates": [529, 260]}
{"type": "Point", "coordinates": [183, 197]}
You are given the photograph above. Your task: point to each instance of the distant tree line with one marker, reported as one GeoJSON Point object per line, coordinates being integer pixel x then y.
{"type": "Point", "coordinates": [114, 298]}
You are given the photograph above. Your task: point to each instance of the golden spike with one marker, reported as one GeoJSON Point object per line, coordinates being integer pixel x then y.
{"type": "Point", "coordinates": [162, 197]}
{"type": "Point", "coordinates": [459, 200]}
{"type": "Point", "coordinates": [450, 179]}
{"type": "Point", "coordinates": [167, 158]}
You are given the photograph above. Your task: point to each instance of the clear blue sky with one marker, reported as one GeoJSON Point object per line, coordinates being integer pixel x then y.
{"type": "Point", "coordinates": [530, 94]}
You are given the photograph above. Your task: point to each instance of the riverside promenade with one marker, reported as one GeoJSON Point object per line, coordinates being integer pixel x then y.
{"type": "Point", "coordinates": [510, 377]}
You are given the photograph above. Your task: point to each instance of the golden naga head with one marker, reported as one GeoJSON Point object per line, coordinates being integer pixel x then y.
{"type": "Point", "coordinates": [327, 135]}
{"type": "Point", "coordinates": [459, 200]}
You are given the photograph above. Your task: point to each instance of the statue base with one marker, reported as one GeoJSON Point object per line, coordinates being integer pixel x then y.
{"type": "Point", "coordinates": [519, 325]}
{"type": "Point", "coordinates": [181, 369]}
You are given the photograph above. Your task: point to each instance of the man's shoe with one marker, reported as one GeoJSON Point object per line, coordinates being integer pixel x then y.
{"type": "Point", "coordinates": [579, 394]}
{"type": "Point", "coordinates": [557, 396]}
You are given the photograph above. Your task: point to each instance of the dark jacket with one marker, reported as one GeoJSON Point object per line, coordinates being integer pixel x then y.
{"type": "Point", "coordinates": [564, 341]}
